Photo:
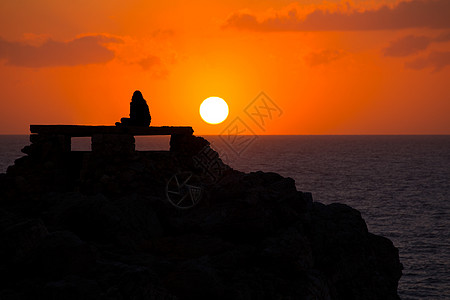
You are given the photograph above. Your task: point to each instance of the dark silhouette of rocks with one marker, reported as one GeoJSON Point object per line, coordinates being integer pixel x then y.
{"type": "Point", "coordinates": [139, 112]}
{"type": "Point", "coordinates": [97, 225]}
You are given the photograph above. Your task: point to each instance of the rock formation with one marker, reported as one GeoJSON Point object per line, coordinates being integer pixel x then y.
{"type": "Point", "coordinates": [89, 226]}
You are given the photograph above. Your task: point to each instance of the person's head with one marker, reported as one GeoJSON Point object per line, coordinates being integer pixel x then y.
{"type": "Point", "coordinates": [137, 96]}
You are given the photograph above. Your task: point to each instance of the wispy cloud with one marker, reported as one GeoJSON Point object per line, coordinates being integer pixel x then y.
{"type": "Point", "coordinates": [154, 65]}
{"type": "Point", "coordinates": [407, 45]}
{"type": "Point", "coordinates": [149, 62]}
{"type": "Point", "coordinates": [410, 14]}
{"type": "Point", "coordinates": [80, 51]}
{"type": "Point", "coordinates": [323, 57]}
{"type": "Point", "coordinates": [444, 37]}
{"type": "Point", "coordinates": [436, 59]}
{"type": "Point", "coordinates": [413, 44]}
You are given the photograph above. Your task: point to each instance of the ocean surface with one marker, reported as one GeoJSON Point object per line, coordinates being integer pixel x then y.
{"type": "Point", "coordinates": [400, 184]}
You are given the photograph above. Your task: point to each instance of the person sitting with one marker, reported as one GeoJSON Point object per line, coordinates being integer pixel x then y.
{"type": "Point", "coordinates": [139, 112]}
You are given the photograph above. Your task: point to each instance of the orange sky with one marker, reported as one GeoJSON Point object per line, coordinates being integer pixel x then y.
{"type": "Point", "coordinates": [327, 67]}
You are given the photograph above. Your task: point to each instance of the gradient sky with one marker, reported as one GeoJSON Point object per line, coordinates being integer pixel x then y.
{"type": "Point", "coordinates": [327, 67]}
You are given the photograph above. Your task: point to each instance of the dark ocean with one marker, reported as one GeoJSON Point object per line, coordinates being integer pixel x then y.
{"type": "Point", "coordinates": [400, 184]}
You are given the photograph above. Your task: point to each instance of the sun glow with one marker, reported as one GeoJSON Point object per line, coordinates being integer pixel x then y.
{"type": "Point", "coordinates": [214, 110]}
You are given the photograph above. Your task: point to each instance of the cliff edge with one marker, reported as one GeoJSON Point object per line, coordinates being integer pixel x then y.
{"type": "Point", "coordinates": [109, 225]}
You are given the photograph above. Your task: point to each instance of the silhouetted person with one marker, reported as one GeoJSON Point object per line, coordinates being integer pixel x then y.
{"type": "Point", "coordinates": [139, 112]}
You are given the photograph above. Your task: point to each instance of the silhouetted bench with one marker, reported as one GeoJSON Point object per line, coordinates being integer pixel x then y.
{"type": "Point", "coordinates": [86, 131]}
{"type": "Point", "coordinates": [104, 138]}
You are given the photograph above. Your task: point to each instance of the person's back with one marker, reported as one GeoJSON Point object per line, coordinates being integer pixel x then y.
{"type": "Point", "coordinates": [139, 112]}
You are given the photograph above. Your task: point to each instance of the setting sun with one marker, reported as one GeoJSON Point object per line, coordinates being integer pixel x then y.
{"type": "Point", "coordinates": [214, 110]}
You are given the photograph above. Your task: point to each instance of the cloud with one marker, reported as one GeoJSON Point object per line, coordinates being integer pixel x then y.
{"type": "Point", "coordinates": [154, 65]}
{"type": "Point", "coordinates": [444, 37]}
{"type": "Point", "coordinates": [407, 45]}
{"type": "Point", "coordinates": [437, 60]}
{"type": "Point", "coordinates": [410, 14]}
{"type": "Point", "coordinates": [149, 62]}
{"type": "Point", "coordinates": [412, 44]}
{"type": "Point", "coordinates": [80, 51]}
{"type": "Point", "coordinates": [323, 57]}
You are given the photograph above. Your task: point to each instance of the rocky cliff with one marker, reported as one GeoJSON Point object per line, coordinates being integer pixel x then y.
{"type": "Point", "coordinates": [101, 226]}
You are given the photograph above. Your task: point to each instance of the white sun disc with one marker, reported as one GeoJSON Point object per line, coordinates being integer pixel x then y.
{"type": "Point", "coordinates": [214, 110]}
